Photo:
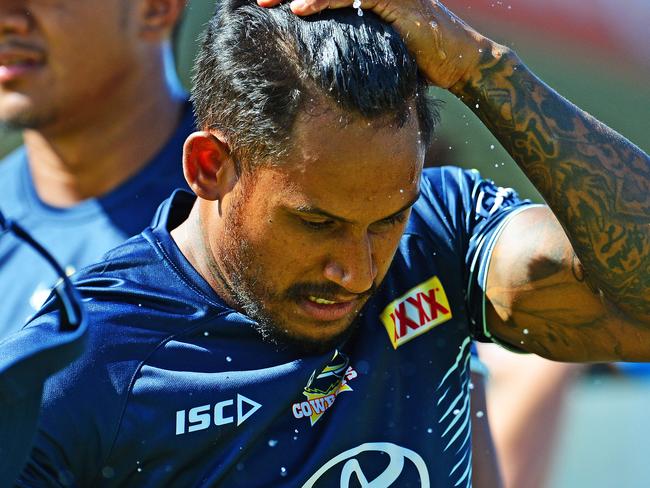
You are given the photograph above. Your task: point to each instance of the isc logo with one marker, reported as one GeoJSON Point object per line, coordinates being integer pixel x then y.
{"type": "Point", "coordinates": [222, 413]}
{"type": "Point", "coordinates": [416, 312]}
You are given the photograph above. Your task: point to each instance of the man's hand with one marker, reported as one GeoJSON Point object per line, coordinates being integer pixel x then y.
{"type": "Point", "coordinates": [446, 48]}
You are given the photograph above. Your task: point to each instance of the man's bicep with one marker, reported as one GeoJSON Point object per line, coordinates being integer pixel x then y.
{"type": "Point", "coordinates": [539, 300]}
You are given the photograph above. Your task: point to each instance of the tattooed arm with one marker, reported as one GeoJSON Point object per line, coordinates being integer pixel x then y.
{"type": "Point", "coordinates": [585, 297]}
{"type": "Point", "coordinates": [591, 304]}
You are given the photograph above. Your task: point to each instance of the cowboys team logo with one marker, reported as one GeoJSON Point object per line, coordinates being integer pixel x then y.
{"type": "Point", "coordinates": [418, 311]}
{"type": "Point", "coordinates": [323, 388]}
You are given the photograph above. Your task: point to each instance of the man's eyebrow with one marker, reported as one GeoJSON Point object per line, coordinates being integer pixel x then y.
{"type": "Point", "coordinates": [308, 209]}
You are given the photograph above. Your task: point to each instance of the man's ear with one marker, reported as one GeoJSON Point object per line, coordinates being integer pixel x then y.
{"type": "Point", "coordinates": [208, 166]}
{"type": "Point", "coordinates": [158, 17]}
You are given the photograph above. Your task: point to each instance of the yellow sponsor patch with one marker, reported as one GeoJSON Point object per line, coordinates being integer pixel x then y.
{"type": "Point", "coordinates": [416, 312]}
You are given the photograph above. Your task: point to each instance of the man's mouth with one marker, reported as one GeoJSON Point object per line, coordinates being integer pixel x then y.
{"type": "Point", "coordinates": [327, 309]}
{"type": "Point", "coordinates": [320, 301]}
{"type": "Point", "coordinates": [15, 63]}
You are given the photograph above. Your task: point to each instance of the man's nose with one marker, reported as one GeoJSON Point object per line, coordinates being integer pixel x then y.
{"type": "Point", "coordinates": [352, 265]}
{"type": "Point", "coordinates": [14, 19]}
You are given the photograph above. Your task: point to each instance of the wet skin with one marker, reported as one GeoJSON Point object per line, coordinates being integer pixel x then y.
{"type": "Point", "coordinates": [309, 238]}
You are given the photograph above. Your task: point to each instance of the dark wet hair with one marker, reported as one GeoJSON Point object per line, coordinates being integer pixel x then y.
{"type": "Point", "coordinates": [258, 68]}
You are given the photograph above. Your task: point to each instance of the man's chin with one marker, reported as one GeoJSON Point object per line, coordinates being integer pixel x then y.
{"type": "Point", "coordinates": [20, 114]}
{"type": "Point", "coordinates": [307, 344]}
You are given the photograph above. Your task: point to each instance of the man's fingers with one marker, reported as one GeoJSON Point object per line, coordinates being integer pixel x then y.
{"type": "Point", "coordinates": [308, 7]}
{"type": "Point", "coordinates": [268, 3]}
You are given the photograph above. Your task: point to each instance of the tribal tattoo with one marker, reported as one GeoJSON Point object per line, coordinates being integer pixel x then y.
{"type": "Point", "coordinates": [596, 182]}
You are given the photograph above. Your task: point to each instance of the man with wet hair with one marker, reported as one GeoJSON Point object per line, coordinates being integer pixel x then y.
{"type": "Point", "coordinates": [306, 319]}
{"type": "Point", "coordinates": [91, 85]}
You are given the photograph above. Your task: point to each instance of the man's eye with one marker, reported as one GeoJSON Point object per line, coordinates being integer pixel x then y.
{"type": "Point", "coordinates": [389, 222]}
{"type": "Point", "coordinates": [317, 224]}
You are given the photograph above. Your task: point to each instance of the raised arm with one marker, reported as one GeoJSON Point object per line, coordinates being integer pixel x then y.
{"type": "Point", "coordinates": [596, 182]}
{"type": "Point", "coordinates": [581, 287]}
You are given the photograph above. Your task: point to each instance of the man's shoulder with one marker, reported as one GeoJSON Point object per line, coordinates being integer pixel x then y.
{"type": "Point", "coordinates": [445, 200]}
{"type": "Point", "coordinates": [448, 182]}
{"type": "Point", "coordinates": [137, 277]}
{"type": "Point", "coordinates": [134, 303]}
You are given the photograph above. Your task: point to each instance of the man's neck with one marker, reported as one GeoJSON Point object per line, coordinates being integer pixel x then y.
{"type": "Point", "coordinates": [92, 153]}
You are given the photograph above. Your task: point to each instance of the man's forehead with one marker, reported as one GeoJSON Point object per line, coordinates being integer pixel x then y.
{"type": "Point", "coordinates": [354, 190]}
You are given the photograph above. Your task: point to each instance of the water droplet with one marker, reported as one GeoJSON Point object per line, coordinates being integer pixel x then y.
{"type": "Point", "coordinates": [456, 412]}
{"type": "Point", "coordinates": [401, 190]}
{"type": "Point", "coordinates": [360, 13]}
{"type": "Point", "coordinates": [480, 50]}
{"type": "Point", "coordinates": [273, 442]}
{"type": "Point", "coordinates": [295, 430]}
{"type": "Point", "coordinates": [283, 471]}
{"type": "Point", "coordinates": [526, 331]}
{"type": "Point", "coordinates": [479, 414]}
{"type": "Point", "coordinates": [476, 105]}
{"type": "Point", "coordinates": [471, 385]}
{"type": "Point", "coordinates": [228, 359]}
{"type": "Point", "coordinates": [521, 342]}
{"type": "Point", "coordinates": [433, 24]}
{"type": "Point", "coordinates": [139, 470]}
{"type": "Point", "coordinates": [491, 146]}
{"type": "Point", "coordinates": [206, 333]}
{"type": "Point", "coordinates": [429, 430]}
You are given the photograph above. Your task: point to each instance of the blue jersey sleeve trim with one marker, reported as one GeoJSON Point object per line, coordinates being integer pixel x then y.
{"type": "Point", "coordinates": [490, 245]}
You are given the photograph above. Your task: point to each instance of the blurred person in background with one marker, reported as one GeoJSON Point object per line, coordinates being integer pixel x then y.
{"type": "Point", "coordinates": [91, 85]}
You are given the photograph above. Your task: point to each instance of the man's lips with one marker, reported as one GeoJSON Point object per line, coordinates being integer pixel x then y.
{"type": "Point", "coordinates": [15, 63]}
{"type": "Point", "coordinates": [327, 309]}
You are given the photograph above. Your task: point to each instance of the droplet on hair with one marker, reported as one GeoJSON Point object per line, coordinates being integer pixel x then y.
{"type": "Point", "coordinates": [360, 12]}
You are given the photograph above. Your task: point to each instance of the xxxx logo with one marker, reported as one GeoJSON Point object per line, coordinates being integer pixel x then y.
{"type": "Point", "coordinates": [418, 311]}
{"type": "Point", "coordinates": [323, 388]}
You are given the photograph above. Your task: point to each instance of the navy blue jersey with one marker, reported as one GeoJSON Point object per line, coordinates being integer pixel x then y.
{"type": "Point", "coordinates": [178, 389]}
{"type": "Point", "coordinates": [79, 235]}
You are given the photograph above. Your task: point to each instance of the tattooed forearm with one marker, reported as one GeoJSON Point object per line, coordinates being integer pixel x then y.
{"type": "Point", "coordinates": [596, 182]}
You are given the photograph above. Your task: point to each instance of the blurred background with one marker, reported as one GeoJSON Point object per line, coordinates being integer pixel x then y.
{"type": "Point", "coordinates": [597, 54]}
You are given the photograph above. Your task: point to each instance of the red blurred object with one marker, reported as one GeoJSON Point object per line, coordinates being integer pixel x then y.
{"type": "Point", "coordinates": [607, 28]}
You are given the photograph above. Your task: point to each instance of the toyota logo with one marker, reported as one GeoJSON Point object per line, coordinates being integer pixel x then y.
{"type": "Point", "coordinates": [352, 468]}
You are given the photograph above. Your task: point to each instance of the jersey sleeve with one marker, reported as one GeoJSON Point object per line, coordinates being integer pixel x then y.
{"type": "Point", "coordinates": [73, 435]}
{"type": "Point", "coordinates": [472, 211]}
{"type": "Point", "coordinates": [489, 209]}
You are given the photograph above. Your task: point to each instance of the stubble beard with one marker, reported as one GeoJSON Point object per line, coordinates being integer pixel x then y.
{"type": "Point", "coordinates": [245, 285]}
{"type": "Point", "coordinates": [28, 119]}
